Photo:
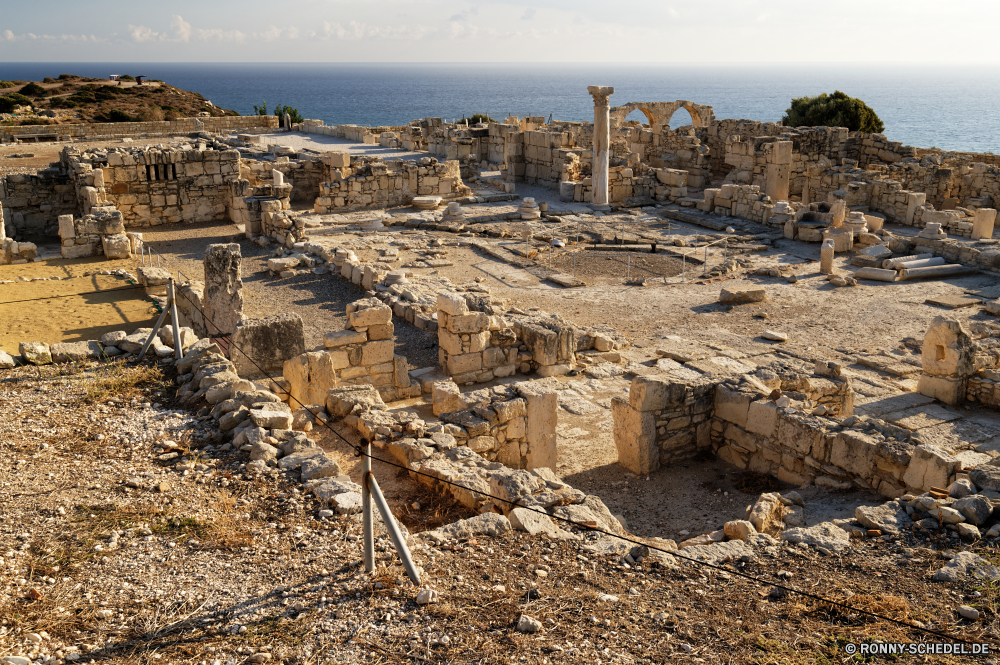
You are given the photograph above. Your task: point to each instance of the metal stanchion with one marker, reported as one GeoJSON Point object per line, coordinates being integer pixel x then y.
{"type": "Point", "coordinates": [372, 492]}
{"type": "Point", "coordinates": [366, 510]}
{"type": "Point", "coordinates": [173, 315]}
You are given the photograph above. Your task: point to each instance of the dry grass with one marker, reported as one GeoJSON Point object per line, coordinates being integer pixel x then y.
{"type": "Point", "coordinates": [124, 382]}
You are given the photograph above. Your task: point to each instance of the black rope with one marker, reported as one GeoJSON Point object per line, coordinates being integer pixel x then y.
{"type": "Point", "coordinates": [359, 450]}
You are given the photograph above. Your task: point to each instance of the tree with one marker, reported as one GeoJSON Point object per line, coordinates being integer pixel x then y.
{"type": "Point", "coordinates": [260, 110]}
{"type": "Point", "coordinates": [293, 114]}
{"type": "Point", "coordinates": [836, 110]}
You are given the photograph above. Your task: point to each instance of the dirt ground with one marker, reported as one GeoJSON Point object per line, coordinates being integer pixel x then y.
{"type": "Point", "coordinates": [40, 310]}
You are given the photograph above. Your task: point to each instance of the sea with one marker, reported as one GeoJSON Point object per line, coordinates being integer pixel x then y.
{"type": "Point", "coordinates": [949, 107]}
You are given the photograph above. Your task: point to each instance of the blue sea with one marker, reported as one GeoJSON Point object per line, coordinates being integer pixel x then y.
{"type": "Point", "coordinates": [953, 108]}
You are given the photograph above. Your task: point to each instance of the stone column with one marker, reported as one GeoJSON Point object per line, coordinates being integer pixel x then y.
{"type": "Point", "coordinates": [223, 298]}
{"type": "Point", "coordinates": [602, 140]}
{"type": "Point", "coordinates": [826, 257]}
{"type": "Point", "coordinates": [982, 225]}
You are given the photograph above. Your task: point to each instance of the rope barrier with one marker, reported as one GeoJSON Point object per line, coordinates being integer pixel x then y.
{"type": "Point", "coordinates": [70, 295]}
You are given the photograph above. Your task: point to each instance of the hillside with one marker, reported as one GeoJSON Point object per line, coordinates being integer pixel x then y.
{"type": "Point", "coordinates": [76, 99]}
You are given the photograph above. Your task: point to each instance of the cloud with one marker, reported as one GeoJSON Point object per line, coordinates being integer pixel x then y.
{"type": "Point", "coordinates": [182, 27]}
{"type": "Point", "coordinates": [219, 35]}
{"type": "Point", "coordinates": [529, 14]}
{"type": "Point", "coordinates": [141, 33]}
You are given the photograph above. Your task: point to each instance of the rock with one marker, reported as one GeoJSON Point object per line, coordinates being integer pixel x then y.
{"type": "Point", "coordinates": [65, 352]}
{"type": "Point", "coordinates": [113, 338]}
{"type": "Point", "coordinates": [837, 280]}
{"type": "Point", "coordinates": [347, 503]}
{"type": "Point", "coordinates": [968, 532]}
{"type": "Point", "coordinates": [965, 564]}
{"type": "Point", "coordinates": [825, 535]}
{"type": "Point", "coordinates": [319, 466]}
{"type": "Point", "coordinates": [738, 529]}
{"type": "Point", "coordinates": [606, 598]}
{"type": "Point", "coordinates": [528, 625]}
{"type": "Point", "coordinates": [487, 524]}
{"type": "Point", "coordinates": [719, 553]}
{"type": "Point", "coordinates": [947, 515]}
{"type": "Point", "coordinates": [35, 353]}
{"type": "Point", "coordinates": [427, 596]}
{"type": "Point", "coordinates": [889, 517]}
{"type": "Point", "coordinates": [765, 516]}
{"type": "Point", "coordinates": [740, 296]}
{"type": "Point", "coordinates": [976, 508]}
{"type": "Point", "coordinates": [535, 523]}
{"type": "Point", "coordinates": [775, 336]}
{"type": "Point", "coordinates": [960, 488]}
{"type": "Point", "coordinates": [271, 419]}
{"type": "Point", "coordinates": [970, 613]}
{"type": "Point", "coordinates": [986, 477]}
{"type": "Point", "coordinates": [6, 361]}
{"type": "Point", "coordinates": [15, 660]}
{"type": "Point", "coordinates": [261, 657]}
{"type": "Point", "coordinates": [263, 451]}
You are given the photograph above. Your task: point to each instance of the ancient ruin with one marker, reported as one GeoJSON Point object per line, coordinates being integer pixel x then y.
{"type": "Point", "coordinates": [486, 346]}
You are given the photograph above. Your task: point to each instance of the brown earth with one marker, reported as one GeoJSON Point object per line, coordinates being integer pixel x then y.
{"type": "Point", "coordinates": [75, 99]}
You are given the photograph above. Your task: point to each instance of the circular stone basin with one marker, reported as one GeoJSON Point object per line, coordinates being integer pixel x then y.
{"type": "Point", "coordinates": [426, 202]}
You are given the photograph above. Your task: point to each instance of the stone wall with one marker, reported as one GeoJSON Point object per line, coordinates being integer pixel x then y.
{"type": "Point", "coordinates": [31, 204]}
{"type": "Point", "coordinates": [514, 424]}
{"type": "Point", "coordinates": [362, 353]}
{"type": "Point", "coordinates": [359, 183]}
{"type": "Point", "coordinates": [242, 124]}
{"type": "Point", "coordinates": [102, 232]}
{"type": "Point", "coordinates": [664, 420]}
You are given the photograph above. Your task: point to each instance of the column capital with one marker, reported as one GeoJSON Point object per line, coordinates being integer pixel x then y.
{"type": "Point", "coordinates": [600, 93]}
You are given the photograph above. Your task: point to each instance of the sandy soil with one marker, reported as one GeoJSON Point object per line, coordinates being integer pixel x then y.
{"type": "Point", "coordinates": [51, 318]}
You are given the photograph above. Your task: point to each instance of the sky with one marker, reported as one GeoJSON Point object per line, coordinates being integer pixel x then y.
{"type": "Point", "coordinates": [696, 31]}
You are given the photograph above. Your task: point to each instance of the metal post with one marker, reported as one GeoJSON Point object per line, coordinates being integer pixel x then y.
{"type": "Point", "coordinates": [157, 259]}
{"type": "Point", "coordinates": [156, 329]}
{"type": "Point", "coordinates": [574, 264]}
{"type": "Point", "coordinates": [173, 315]}
{"type": "Point", "coordinates": [628, 270]}
{"type": "Point", "coordinates": [366, 510]}
{"type": "Point", "coordinates": [390, 524]}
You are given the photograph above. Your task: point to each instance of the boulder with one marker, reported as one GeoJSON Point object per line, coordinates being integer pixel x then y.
{"type": "Point", "coordinates": [966, 564]}
{"type": "Point", "coordinates": [742, 295]}
{"type": "Point", "coordinates": [890, 517]}
{"type": "Point", "coordinates": [986, 477]}
{"type": "Point", "coordinates": [35, 353]}
{"type": "Point", "coordinates": [825, 535]}
{"type": "Point", "coordinates": [976, 508]}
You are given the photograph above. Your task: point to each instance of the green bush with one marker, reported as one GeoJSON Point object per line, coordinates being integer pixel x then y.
{"type": "Point", "coordinates": [9, 102]}
{"type": "Point", "coordinates": [836, 110]}
{"type": "Point", "coordinates": [477, 118]}
{"type": "Point", "coordinates": [126, 77]}
{"type": "Point", "coordinates": [33, 121]}
{"type": "Point", "coordinates": [7, 84]}
{"type": "Point", "coordinates": [48, 79]}
{"type": "Point", "coordinates": [34, 90]}
{"type": "Point", "coordinates": [116, 115]}
{"type": "Point", "coordinates": [293, 114]}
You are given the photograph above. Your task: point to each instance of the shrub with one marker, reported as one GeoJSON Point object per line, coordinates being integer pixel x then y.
{"type": "Point", "coordinates": [151, 114]}
{"type": "Point", "coordinates": [33, 90]}
{"type": "Point", "coordinates": [33, 121]}
{"type": "Point", "coordinates": [476, 118]}
{"type": "Point", "coordinates": [126, 77]}
{"type": "Point", "coordinates": [293, 113]}
{"type": "Point", "coordinates": [48, 79]}
{"type": "Point", "coordinates": [9, 102]}
{"type": "Point", "coordinates": [116, 115]}
{"type": "Point", "coordinates": [7, 84]}
{"type": "Point", "coordinates": [836, 110]}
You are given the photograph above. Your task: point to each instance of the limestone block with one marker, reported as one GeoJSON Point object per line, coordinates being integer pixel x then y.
{"type": "Point", "coordinates": [652, 393]}
{"type": "Point", "coordinates": [740, 296]}
{"type": "Point", "coordinates": [461, 364]}
{"type": "Point", "coordinates": [341, 338]}
{"type": "Point", "coordinates": [263, 345]}
{"type": "Point", "coordinates": [447, 398]}
{"type": "Point", "coordinates": [452, 304]}
{"type": "Point", "coordinates": [223, 295]}
{"type": "Point", "coordinates": [468, 323]}
{"type": "Point", "coordinates": [75, 351]}
{"type": "Point", "coordinates": [635, 437]}
{"type": "Point", "coordinates": [370, 317]}
{"type": "Point", "coordinates": [542, 344]}
{"type": "Point", "coordinates": [946, 389]}
{"type": "Point", "coordinates": [66, 227]}
{"type": "Point", "coordinates": [929, 467]}
{"type": "Point", "coordinates": [376, 353]}
{"type": "Point", "coordinates": [732, 405]}
{"type": "Point", "coordinates": [766, 514]}
{"type": "Point", "coordinates": [762, 417]}
{"type": "Point", "coordinates": [116, 246]}
{"type": "Point", "coordinates": [35, 353]}
{"type": "Point", "coordinates": [541, 418]}
{"type": "Point", "coordinates": [982, 225]}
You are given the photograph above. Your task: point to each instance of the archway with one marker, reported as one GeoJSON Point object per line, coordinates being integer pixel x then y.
{"type": "Point", "coordinates": [641, 114]}
{"type": "Point", "coordinates": [684, 115]}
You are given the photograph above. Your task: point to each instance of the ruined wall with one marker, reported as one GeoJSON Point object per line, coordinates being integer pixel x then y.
{"type": "Point", "coordinates": [32, 203]}
{"type": "Point", "coordinates": [102, 232]}
{"type": "Point", "coordinates": [664, 420]}
{"type": "Point", "coordinates": [358, 183]}
{"type": "Point", "coordinates": [243, 124]}
{"type": "Point", "coordinates": [360, 354]}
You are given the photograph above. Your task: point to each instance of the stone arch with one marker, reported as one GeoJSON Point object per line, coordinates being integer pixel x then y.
{"type": "Point", "coordinates": [660, 113]}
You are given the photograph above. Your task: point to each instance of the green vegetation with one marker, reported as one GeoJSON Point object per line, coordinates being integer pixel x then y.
{"type": "Point", "coordinates": [477, 118]}
{"type": "Point", "coordinates": [293, 114]}
{"type": "Point", "coordinates": [48, 79]}
{"type": "Point", "coordinates": [9, 102]}
{"type": "Point", "coordinates": [7, 84]}
{"type": "Point", "coordinates": [34, 90]}
{"type": "Point", "coordinates": [836, 110]}
{"type": "Point", "coordinates": [126, 77]}
{"type": "Point", "coordinates": [115, 115]}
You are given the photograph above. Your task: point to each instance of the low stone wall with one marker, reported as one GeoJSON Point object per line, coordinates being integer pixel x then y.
{"type": "Point", "coordinates": [359, 183]}
{"type": "Point", "coordinates": [32, 203]}
{"type": "Point", "coordinates": [665, 420]}
{"type": "Point", "coordinates": [100, 232]}
{"type": "Point", "coordinates": [362, 353]}
{"type": "Point", "coordinates": [243, 124]}
{"type": "Point", "coordinates": [514, 424]}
